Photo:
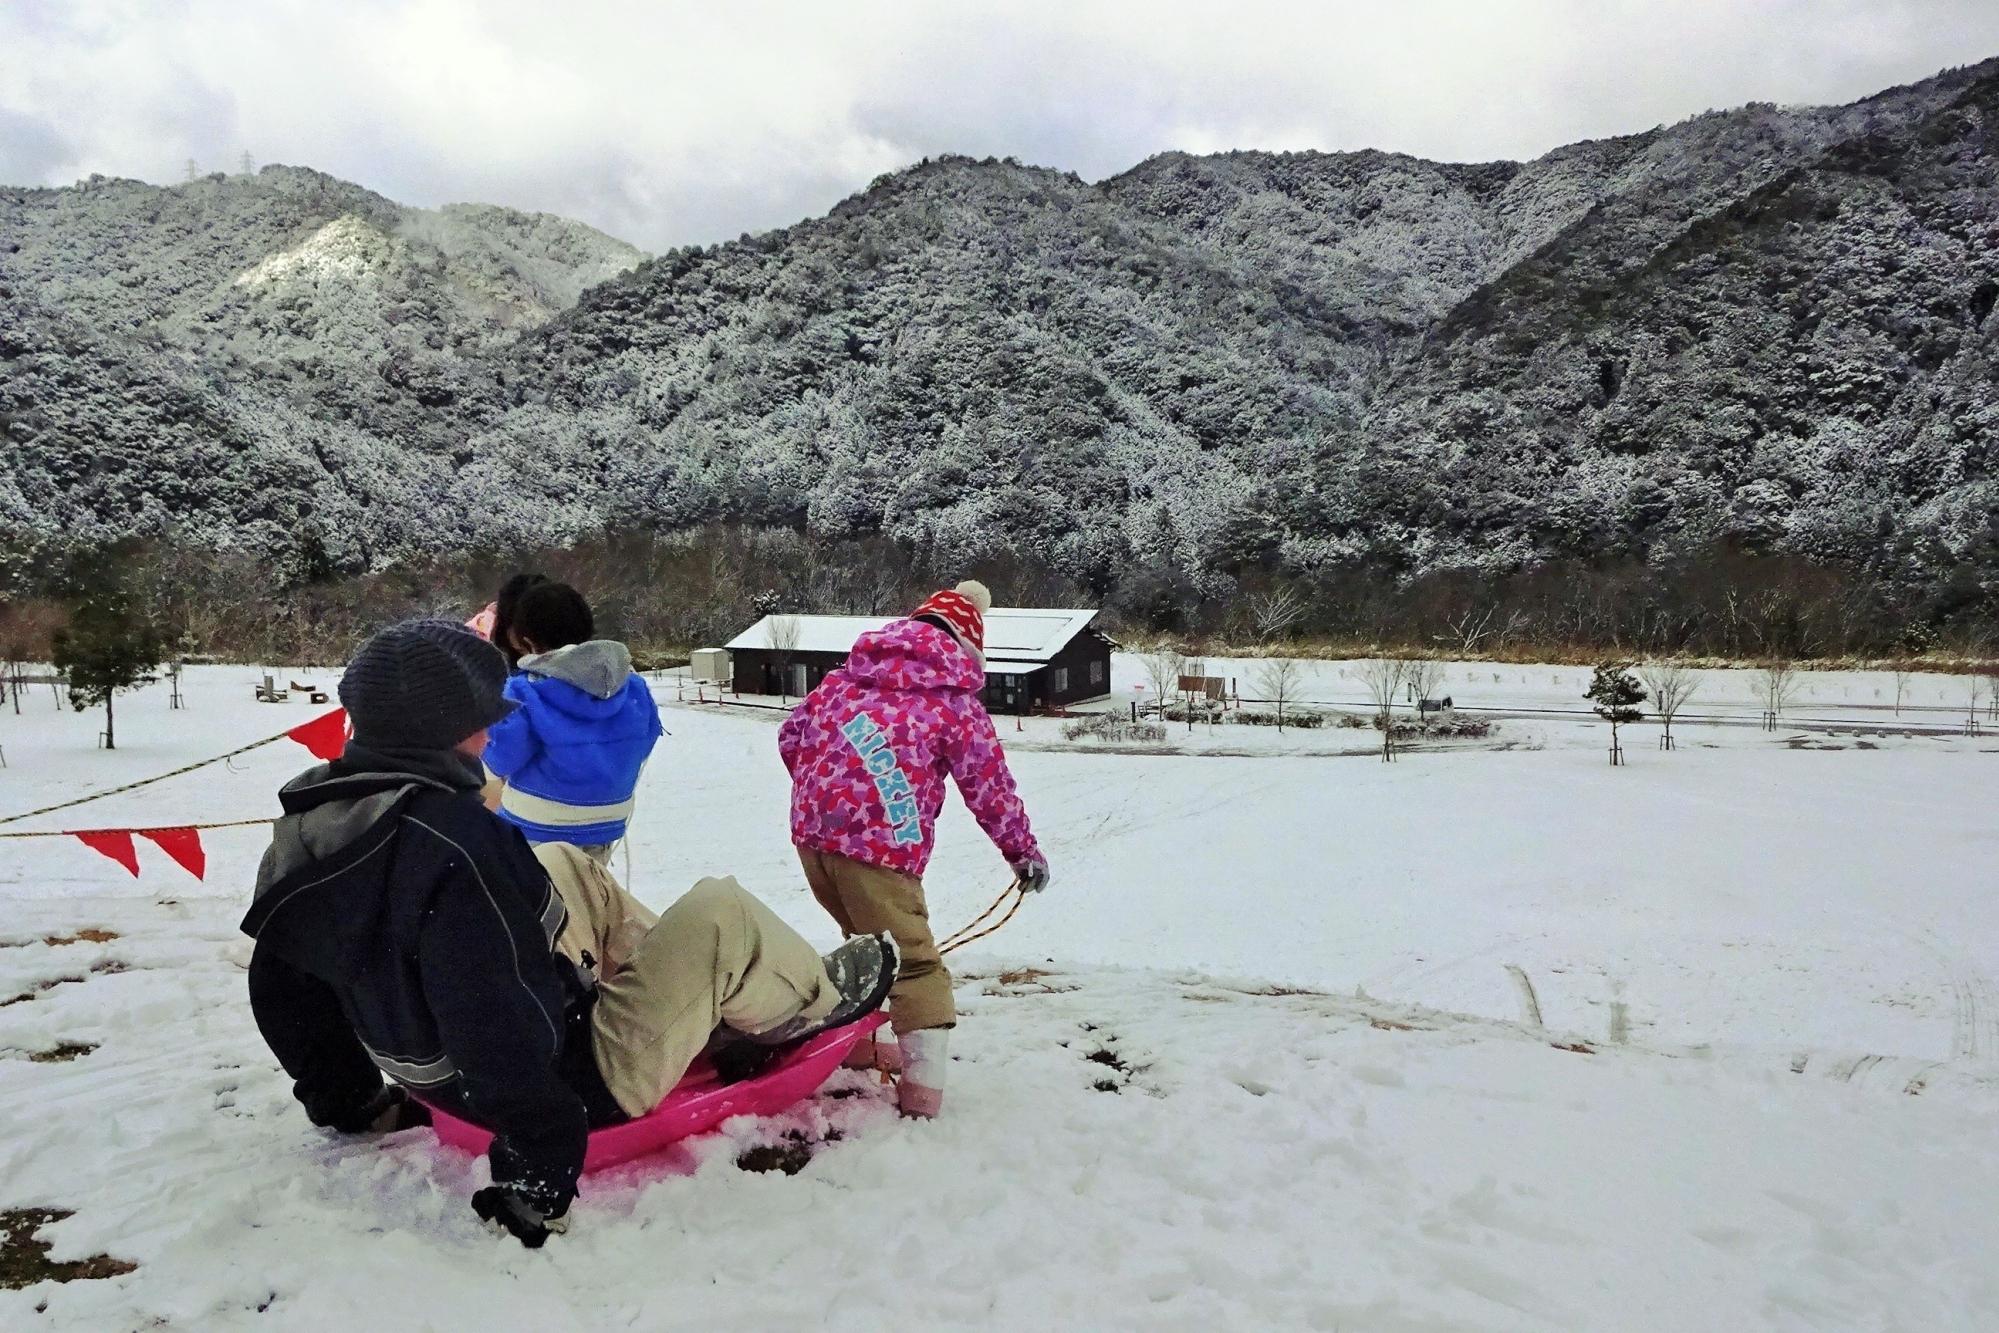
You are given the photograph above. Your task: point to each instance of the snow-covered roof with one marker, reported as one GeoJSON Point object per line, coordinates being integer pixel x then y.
{"type": "Point", "coordinates": [816, 634]}
{"type": "Point", "coordinates": [1018, 638]}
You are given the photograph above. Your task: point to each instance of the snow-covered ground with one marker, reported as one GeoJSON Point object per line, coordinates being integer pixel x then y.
{"type": "Point", "coordinates": [1266, 1055]}
{"type": "Point", "coordinates": [1927, 698]}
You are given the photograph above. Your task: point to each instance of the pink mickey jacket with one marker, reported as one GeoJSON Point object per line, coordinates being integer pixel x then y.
{"type": "Point", "coordinates": [869, 748]}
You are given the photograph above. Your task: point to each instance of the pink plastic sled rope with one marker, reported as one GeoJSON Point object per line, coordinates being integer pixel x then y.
{"type": "Point", "coordinates": [698, 1102]}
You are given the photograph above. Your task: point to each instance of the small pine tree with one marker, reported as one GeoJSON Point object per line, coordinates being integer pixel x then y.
{"type": "Point", "coordinates": [109, 644]}
{"type": "Point", "coordinates": [1616, 694]}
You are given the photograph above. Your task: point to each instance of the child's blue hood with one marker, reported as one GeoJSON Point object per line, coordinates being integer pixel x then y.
{"type": "Point", "coordinates": [599, 669]}
{"type": "Point", "coordinates": [575, 746]}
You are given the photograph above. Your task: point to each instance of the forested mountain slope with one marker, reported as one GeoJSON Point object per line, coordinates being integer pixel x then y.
{"type": "Point", "coordinates": [258, 360]}
{"type": "Point", "coordinates": [1766, 327]}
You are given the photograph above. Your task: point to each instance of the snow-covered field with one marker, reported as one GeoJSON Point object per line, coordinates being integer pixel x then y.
{"type": "Point", "coordinates": [1265, 1056]}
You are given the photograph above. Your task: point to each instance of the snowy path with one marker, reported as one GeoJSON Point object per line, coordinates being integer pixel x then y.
{"type": "Point", "coordinates": [1702, 924]}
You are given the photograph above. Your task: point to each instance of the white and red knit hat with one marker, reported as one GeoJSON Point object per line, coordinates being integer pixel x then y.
{"type": "Point", "coordinates": [962, 610]}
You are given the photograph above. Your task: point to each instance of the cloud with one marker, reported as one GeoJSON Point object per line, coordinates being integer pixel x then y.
{"type": "Point", "coordinates": [671, 124]}
{"type": "Point", "coordinates": [31, 149]}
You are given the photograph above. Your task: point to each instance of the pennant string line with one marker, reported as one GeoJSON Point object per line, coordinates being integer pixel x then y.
{"type": "Point", "coordinates": [164, 828]}
{"type": "Point", "coordinates": [318, 729]}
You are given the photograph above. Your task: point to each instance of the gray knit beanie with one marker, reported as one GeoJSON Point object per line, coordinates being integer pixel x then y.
{"type": "Point", "coordinates": [424, 684]}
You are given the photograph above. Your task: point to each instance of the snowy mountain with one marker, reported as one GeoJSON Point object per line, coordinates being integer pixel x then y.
{"type": "Point", "coordinates": [254, 360]}
{"type": "Point", "coordinates": [1766, 327]}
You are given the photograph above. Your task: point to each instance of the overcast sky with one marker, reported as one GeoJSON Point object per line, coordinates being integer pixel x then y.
{"type": "Point", "coordinates": [669, 124]}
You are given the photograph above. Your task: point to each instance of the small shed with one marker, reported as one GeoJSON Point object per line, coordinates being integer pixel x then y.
{"type": "Point", "coordinates": [1035, 657]}
{"type": "Point", "coordinates": [710, 666]}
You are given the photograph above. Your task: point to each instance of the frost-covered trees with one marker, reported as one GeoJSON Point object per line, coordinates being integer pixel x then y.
{"type": "Point", "coordinates": [1252, 371]}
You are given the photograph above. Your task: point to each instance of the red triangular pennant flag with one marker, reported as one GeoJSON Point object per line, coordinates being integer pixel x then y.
{"type": "Point", "coordinates": [182, 844]}
{"type": "Point", "coordinates": [115, 843]}
{"type": "Point", "coordinates": [325, 736]}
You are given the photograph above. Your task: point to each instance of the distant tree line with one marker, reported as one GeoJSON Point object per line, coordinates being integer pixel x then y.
{"type": "Point", "coordinates": [668, 593]}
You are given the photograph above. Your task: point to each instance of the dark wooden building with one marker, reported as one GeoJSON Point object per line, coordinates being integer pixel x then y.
{"type": "Point", "coordinates": [1035, 659]}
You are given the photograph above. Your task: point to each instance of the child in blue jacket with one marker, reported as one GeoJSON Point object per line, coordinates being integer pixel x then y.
{"type": "Point", "coordinates": [571, 753]}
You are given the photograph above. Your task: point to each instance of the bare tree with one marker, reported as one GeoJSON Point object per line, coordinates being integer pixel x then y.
{"type": "Point", "coordinates": [1974, 691]}
{"type": "Point", "coordinates": [880, 589]}
{"type": "Point", "coordinates": [1901, 675]}
{"type": "Point", "coordinates": [1478, 624]}
{"type": "Point", "coordinates": [1421, 676]}
{"type": "Point", "coordinates": [1278, 680]}
{"type": "Point", "coordinates": [1776, 685]}
{"type": "Point", "coordinates": [1672, 685]}
{"type": "Point", "coordinates": [781, 633]}
{"type": "Point", "coordinates": [27, 628]}
{"type": "Point", "coordinates": [13, 666]}
{"type": "Point", "coordinates": [1383, 677]}
{"type": "Point", "coordinates": [1164, 666]}
{"type": "Point", "coordinates": [1273, 613]}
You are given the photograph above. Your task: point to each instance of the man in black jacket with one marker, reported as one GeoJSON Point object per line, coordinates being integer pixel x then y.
{"type": "Point", "coordinates": [403, 929]}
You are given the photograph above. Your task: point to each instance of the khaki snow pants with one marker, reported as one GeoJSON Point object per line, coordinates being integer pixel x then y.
{"type": "Point", "coordinates": [664, 983]}
{"type": "Point", "coordinates": [866, 900]}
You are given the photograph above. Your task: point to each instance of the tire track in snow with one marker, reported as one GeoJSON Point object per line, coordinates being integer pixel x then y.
{"type": "Point", "coordinates": [1975, 1026]}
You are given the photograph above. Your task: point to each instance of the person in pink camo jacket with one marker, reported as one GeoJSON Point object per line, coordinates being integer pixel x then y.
{"type": "Point", "coordinates": [868, 751]}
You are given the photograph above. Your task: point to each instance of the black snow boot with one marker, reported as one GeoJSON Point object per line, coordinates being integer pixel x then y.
{"type": "Point", "coordinates": [862, 970]}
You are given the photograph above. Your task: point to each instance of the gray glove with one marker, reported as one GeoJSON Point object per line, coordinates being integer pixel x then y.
{"type": "Point", "coordinates": [1032, 872]}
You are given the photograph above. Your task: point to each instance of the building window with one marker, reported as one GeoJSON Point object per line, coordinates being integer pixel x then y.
{"type": "Point", "coordinates": [1061, 680]}
{"type": "Point", "coordinates": [1096, 673]}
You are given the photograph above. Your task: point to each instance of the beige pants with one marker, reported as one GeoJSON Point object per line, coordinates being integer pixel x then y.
{"type": "Point", "coordinates": [600, 852]}
{"type": "Point", "coordinates": [865, 900]}
{"type": "Point", "coordinates": [664, 983]}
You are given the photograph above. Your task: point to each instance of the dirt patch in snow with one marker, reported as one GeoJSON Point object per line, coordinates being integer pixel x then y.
{"type": "Point", "coordinates": [789, 1154]}
{"type": "Point", "coordinates": [24, 1260]}
{"type": "Point", "coordinates": [63, 1053]}
{"type": "Point", "coordinates": [108, 967]}
{"type": "Point", "coordinates": [90, 936]}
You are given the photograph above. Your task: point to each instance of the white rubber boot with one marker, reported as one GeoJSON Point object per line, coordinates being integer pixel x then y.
{"type": "Point", "coordinates": [926, 1060]}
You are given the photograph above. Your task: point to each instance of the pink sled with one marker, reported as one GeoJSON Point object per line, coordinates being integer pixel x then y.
{"type": "Point", "coordinates": [698, 1103]}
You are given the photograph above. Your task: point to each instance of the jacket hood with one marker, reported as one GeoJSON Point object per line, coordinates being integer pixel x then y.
{"type": "Point", "coordinates": [598, 667]}
{"type": "Point", "coordinates": [907, 655]}
{"type": "Point", "coordinates": [331, 807]}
